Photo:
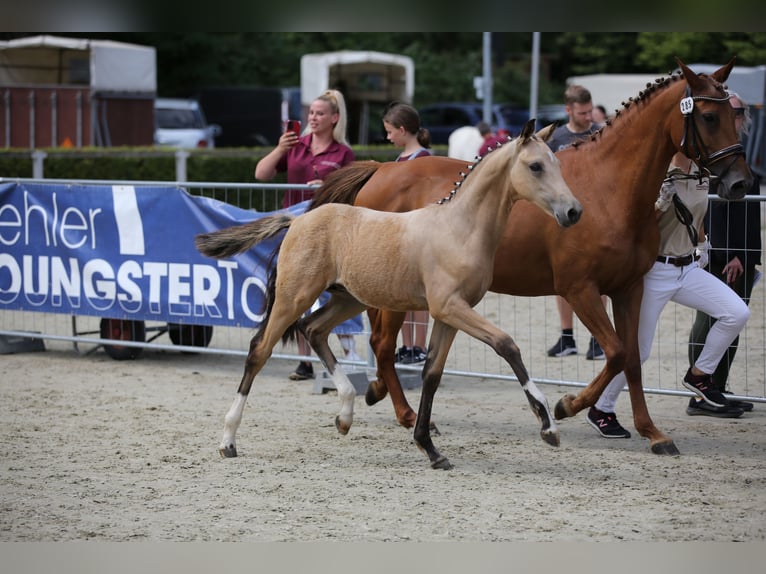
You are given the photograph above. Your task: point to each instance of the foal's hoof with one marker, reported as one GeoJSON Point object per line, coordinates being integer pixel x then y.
{"type": "Point", "coordinates": [442, 463]}
{"type": "Point", "coordinates": [228, 451]}
{"type": "Point", "coordinates": [551, 437]}
{"type": "Point", "coordinates": [563, 408]}
{"type": "Point", "coordinates": [342, 428]}
{"type": "Point", "coordinates": [665, 447]}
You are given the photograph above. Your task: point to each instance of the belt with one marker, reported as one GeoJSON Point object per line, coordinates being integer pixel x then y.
{"type": "Point", "coordinates": [678, 261]}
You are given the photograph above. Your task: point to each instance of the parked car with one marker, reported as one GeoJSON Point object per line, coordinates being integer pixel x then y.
{"type": "Point", "coordinates": [551, 114]}
{"type": "Point", "coordinates": [442, 119]}
{"type": "Point", "coordinates": [181, 123]}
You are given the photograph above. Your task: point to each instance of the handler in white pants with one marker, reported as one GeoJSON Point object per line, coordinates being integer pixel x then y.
{"type": "Point", "coordinates": [677, 276]}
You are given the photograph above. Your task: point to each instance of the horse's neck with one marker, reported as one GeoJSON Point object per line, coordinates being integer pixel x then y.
{"type": "Point", "coordinates": [484, 199]}
{"type": "Point", "coordinates": [634, 152]}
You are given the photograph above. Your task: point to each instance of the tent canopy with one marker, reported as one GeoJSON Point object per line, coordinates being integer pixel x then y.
{"type": "Point", "coordinates": [104, 65]}
{"type": "Point", "coordinates": [359, 75]}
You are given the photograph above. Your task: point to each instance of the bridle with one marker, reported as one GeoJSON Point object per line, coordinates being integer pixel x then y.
{"type": "Point", "coordinates": [692, 133]}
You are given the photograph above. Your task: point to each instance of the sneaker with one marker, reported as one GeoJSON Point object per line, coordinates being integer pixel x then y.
{"type": "Point", "coordinates": [418, 354]}
{"type": "Point", "coordinates": [402, 354]}
{"type": "Point", "coordinates": [606, 424]}
{"type": "Point", "coordinates": [304, 371]}
{"type": "Point", "coordinates": [744, 405]}
{"type": "Point", "coordinates": [703, 386]}
{"type": "Point", "coordinates": [595, 352]}
{"type": "Point", "coordinates": [702, 408]}
{"type": "Point", "coordinates": [563, 347]}
{"type": "Point", "coordinates": [410, 355]}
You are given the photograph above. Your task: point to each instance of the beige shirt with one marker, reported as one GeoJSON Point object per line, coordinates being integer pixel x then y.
{"type": "Point", "coordinates": [674, 237]}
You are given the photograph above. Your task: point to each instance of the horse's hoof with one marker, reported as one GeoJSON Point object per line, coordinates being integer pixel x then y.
{"type": "Point", "coordinates": [342, 428]}
{"type": "Point", "coordinates": [442, 463]}
{"type": "Point", "coordinates": [563, 408]}
{"type": "Point", "coordinates": [551, 437]}
{"type": "Point", "coordinates": [665, 447]}
{"type": "Point", "coordinates": [372, 397]}
{"type": "Point", "coordinates": [434, 431]}
{"type": "Point", "coordinates": [228, 451]}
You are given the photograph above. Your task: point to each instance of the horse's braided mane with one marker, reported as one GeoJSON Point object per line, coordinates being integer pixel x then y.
{"type": "Point", "coordinates": [471, 166]}
{"type": "Point", "coordinates": [650, 89]}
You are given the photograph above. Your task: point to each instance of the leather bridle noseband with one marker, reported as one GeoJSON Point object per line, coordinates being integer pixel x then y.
{"type": "Point", "coordinates": [692, 133]}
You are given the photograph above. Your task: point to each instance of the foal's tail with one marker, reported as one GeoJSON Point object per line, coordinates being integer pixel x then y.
{"type": "Point", "coordinates": [343, 185]}
{"type": "Point", "coordinates": [232, 240]}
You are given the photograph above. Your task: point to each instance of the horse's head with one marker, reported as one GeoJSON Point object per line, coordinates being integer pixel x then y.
{"type": "Point", "coordinates": [536, 176]}
{"type": "Point", "coordinates": [709, 136]}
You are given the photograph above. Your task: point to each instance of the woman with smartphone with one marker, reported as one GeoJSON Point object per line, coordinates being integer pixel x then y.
{"type": "Point", "coordinates": [307, 159]}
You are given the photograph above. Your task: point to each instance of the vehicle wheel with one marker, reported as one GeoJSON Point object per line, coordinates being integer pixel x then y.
{"type": "Point", "coordinates": [123, 330]}
{"type": "Point", "coordinates": [190, 335]}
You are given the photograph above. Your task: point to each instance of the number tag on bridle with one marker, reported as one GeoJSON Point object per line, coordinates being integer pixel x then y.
{"type": "Point", "coordinates": [687, 106]}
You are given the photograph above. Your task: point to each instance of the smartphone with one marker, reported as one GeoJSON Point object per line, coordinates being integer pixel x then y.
{"type": "Point", "coordinates": [294, 126]}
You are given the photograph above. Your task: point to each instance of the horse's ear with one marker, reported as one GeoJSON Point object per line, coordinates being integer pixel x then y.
{"type": "Point", "coordinates": [722, 73]}
{"type": "Point", "coordinates": [527, 131]}
{"type": "Point", "coordinates": [545, 133]}
{"type": "Point", "coordinates": [695, 81]}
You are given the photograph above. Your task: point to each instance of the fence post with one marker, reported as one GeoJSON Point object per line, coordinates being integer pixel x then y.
{"type": "Point", "coordinates": [181, 156]}
{"type": "Point", "coordinates": [38, 157]}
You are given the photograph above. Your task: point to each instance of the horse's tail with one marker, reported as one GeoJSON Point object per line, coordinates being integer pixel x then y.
{"type": "Point", "coordinates": [232, 240]}
{"type": "Point", "coordinates": [343, 185]}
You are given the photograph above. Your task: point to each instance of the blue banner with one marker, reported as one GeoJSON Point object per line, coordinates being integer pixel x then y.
{"type": "Point", "coordinates": [126, 252]}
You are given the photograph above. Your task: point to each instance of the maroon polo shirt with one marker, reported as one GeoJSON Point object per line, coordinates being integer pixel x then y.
{"type": "Point", "coordinates": [302, 166]}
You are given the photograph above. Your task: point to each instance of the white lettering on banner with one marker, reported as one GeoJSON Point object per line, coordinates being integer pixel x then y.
{"type": "Point", "coordinates": [178, 289]}
{"type": "Point", "coordinates": [63, 283]}
{"type": "Point", "coordinates": [41, 226]}
{"type": "Point", "coordinates": [99, 288]}
{"type": "Point", "coordinates": [130, 297]}
{"type": "Point", "coordinates": [245, 307]}
{"type": "Point", "coordinates": [129, 225]}
{"type": "Point", "coordinates": [188, 289]}
{"type": "Point", "coordinates": [39, 297]}
{"type": "Point", "coordinates": [9, 268]}
{"type": "Point", "coordinates": [11, 218]}
{"type": "Point", "coordinates": [207, 285]}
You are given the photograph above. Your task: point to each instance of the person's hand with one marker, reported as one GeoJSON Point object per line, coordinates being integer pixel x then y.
{"type": "Point", "coordinates": [667, 191]}
{"type": "Point", "coordinates": [287, 140]}
{"type": "Point", "coordinates": [703, 253]}
{"type": "Point", "coordinates": [314, 182]}
{"type": "Point", "coordinates": [733, 270]}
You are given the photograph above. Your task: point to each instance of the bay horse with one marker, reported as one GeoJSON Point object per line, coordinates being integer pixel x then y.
{"type": "Point", "coordinates": [367, 258]}
{"type": "Point", "coordinates": [616, 175]}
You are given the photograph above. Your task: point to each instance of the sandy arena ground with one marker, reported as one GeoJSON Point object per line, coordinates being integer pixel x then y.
{"type": "Point", "coordinates": [104, 450]}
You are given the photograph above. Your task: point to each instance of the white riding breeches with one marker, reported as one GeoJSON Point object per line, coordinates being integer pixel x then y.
{"type": "Point", "coordinates": [692, 287]}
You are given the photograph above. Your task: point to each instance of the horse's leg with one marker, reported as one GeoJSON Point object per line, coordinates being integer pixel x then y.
{"type": "Point", "coordinates": [439, 345]}
{"type": "Point", "coordinates": [385, 326]}
{"type": "Point", "coordinates": [625, 308]}
{"type": "Point", "coordinates": [298, 296]}
{"type": "Point", "coordinates": [627, 319]}
{"type": "Point", "coordinates": [587, 305]}
{"type": "Point", "coordinates": [317, 327]}
{"type": "Point", "coordinates": [461, 315]}
{"type": "Point", "coordinates": [261, 346]}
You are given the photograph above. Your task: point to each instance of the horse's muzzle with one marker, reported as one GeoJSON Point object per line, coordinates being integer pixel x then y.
{"type": "Point", "coordinates": [736, 190]}
{"type": "Point", "coordinates": [571, 216]}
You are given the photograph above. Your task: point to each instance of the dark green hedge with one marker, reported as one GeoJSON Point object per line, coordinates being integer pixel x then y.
{"type": "Point", "coordinates": [220, 165]}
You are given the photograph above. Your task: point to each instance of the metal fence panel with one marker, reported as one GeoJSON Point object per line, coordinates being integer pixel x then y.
{"type": "Point", "coordinates": [532, 321]}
